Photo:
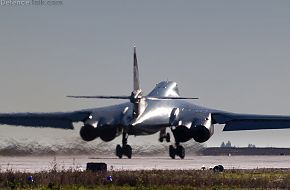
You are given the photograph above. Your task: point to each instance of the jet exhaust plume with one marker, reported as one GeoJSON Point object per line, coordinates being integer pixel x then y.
{"type": "Point", "coordinates": [76, 146]}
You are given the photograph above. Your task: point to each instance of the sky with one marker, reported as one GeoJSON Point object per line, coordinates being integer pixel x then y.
{"type": "Point", "coordinates": [233, 55]}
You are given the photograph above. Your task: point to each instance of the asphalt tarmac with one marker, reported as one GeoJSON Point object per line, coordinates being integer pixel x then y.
{"type": "Point", "coordinates": [40, 163]}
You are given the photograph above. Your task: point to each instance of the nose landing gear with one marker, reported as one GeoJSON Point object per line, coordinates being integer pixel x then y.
{"type": "Point", "coordinates": [163, 135]}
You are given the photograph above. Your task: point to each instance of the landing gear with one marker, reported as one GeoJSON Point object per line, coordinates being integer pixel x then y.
{"type": "Point", "coordinates": [172, 151]}
{"type": "Point", "coordinates": [163, 135]}
{"type": "Point", "coordinates": [167, 137]}
{"type": "Point", "coordinates": [119, 151]}
{"type": "Point", "coordinates": [178, 151]}
{"type": "Point", "coordinates": [125, 149]}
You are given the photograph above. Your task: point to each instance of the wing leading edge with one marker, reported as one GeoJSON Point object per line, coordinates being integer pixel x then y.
{"type": "Point", "coordinates": [61, 120]}
{"type": "Point", "coordinates": [236, 122]}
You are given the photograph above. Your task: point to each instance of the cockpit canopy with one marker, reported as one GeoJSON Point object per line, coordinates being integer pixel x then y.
{"type": "Point", "coordinates": [165, 89]}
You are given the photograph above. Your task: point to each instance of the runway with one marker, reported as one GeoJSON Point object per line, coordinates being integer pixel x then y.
{"type": "Point", "coordinates": [40, 163]}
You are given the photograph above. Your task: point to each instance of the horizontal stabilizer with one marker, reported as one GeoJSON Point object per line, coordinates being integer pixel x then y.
{"type": "Point", "coordinates": [101, 97]}
{"type": "Point", "coordinates": [128, 97]}
{"type": "Point", "coordinates": [170, 98]}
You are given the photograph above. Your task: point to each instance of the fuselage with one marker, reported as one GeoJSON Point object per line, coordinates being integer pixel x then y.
{"type": "Point", "coordinates": [154, 114]}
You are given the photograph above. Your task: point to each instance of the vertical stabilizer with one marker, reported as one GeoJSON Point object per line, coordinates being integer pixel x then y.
{"type": "Point", "coordinates": [136, 82]}
{"type": "Point", "coordinates": [136, 94]}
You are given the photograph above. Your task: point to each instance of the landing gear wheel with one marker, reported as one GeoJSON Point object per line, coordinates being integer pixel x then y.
{"type": "Point", "coordinates": [127, 151]}
{"type": "Point", "coordinates": [172, 151]}
{"type": "Point", "coordinates": [167, 137]}
{"type": "Point", "coordinates": [119, 151]}
{"type": "Point", "coordinates": [180, 151]}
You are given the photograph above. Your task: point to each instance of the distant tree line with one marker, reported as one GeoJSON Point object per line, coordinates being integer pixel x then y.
{"type": "Point", "coordinates": [251, 146]}
{"type": "Point", "coordinates": [229, 145]}
{"type": "Point", "coordinates": [226, 145]}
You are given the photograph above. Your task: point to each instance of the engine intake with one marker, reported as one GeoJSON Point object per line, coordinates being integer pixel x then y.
{"type": "Point", "coordinates": [108, 132]}
{"type": "Point", "coordinates": [88, 133]}
{"type": "Point", "coordinates": [182, 134]}
{"type": "Point", "coordinates": [105, 132]}
{"type": "Point", "coordinates": [200, 133]}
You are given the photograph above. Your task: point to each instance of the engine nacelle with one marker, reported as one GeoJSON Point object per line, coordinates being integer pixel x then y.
{"type": "Point", "coordinates": [182, 134]}
{"type": "Point", "coordinates": [108, 132]}
{"type": "Point", "coordinates": [105, 132]}
{"type": "Point", "coordinates": [202, 132]}
{"type": "Point", "coordinates": [89, 133]}
{"type": "Point", "coordinates": [200, 129]}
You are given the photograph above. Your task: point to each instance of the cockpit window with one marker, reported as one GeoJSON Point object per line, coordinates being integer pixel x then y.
{"type": "Point", "coordinates": [161, 85]}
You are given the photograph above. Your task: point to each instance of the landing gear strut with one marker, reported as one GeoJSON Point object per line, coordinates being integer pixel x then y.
{"type": "Point", "coordinates": [178, 151]}
{"type": "Point", "coordinates": [163, 135]}
{"type": "Point", "coordinates": [125, 149]}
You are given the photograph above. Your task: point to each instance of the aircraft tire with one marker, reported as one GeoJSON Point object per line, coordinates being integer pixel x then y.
{"type": "Point", "coordinates": [128, 151]}
{"type": "Point", "coordinates": [172, 152]}
{"type": "Point", "coordinates": [167, 137]}
{"type": "Point", "coordinates": [180, 151]}
{"type": "Point", "coordinates": [119, 151]}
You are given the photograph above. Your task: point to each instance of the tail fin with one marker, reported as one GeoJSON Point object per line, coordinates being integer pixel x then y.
{"type": "Point", "coordinates": [136, 94]}
{"type": "Point", "coordinates": [136, 82]}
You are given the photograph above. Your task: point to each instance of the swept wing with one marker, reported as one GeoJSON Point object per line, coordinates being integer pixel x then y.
{"type": "Point", "coordinates": [61, 120]}
{"type": "Point", "coordinates": [236, 122]}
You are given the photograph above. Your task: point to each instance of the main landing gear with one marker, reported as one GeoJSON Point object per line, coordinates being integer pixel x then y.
{"type": "Point", "coordinates": [125, 149]}
{"type": "Point", "coordinates": [178, 151]}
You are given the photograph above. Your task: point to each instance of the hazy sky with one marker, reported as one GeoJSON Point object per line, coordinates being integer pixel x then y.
{"type": "Point", "coordinates": [234, 55]}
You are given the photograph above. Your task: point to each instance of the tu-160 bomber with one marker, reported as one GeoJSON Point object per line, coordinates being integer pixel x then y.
{"type": "Point", "coordinates": [161, 110]}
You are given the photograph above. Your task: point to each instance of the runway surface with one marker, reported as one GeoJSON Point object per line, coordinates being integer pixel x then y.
{"type": "Point", "coordinates": [36, 163]}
